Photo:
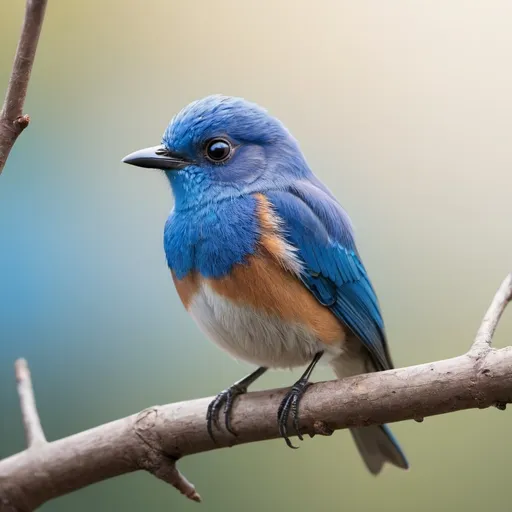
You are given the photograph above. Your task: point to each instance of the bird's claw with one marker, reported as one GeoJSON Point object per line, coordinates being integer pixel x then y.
{"type": "Point", "coordinates": [224, 398]}
{"type": "Point", "coordinates": [290, 404]}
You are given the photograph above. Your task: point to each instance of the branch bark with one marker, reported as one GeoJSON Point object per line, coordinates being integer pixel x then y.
{"type": "Point", "coordinates": [157, 437]}
{"type": "Point", "coordinates": [12, 120]}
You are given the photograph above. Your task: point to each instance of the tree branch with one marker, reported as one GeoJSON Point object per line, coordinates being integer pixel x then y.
{"type": "Point", "coordinates": [12, 120]}
{"type": "Point", "coordinates": [157, 437]}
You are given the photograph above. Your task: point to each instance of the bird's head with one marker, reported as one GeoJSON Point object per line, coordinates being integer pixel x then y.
{"type": "Point", "coordinates": [221, 147]}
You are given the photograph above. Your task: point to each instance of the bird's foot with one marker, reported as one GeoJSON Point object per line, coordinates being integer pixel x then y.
{"type": "Point", "coordinates": [224, 398]}
{"type": "Point", "coordinates": [290, 404]}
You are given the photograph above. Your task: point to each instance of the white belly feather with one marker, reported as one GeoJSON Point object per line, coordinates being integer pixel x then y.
{"type": "Point", "coordinates": [254, 336]}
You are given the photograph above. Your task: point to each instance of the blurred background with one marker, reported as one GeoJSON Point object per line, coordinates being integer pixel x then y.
{"type": "Point", "coordinates": [402, 107]}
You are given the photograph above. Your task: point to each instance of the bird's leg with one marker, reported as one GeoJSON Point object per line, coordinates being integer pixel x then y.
{"type": "Point", "coordinates": [225, 398]}
{"type": "Point", "coordinates": [290, 403]}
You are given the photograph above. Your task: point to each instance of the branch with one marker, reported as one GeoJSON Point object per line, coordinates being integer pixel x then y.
{"type": "Point", "coordinates": [12, 120]}
{"type": "Point", "coordinates": [157, 437]}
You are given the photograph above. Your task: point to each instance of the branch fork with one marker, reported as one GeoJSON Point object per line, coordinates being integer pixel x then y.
{"type": "Point", "coordinates": [153, 458]}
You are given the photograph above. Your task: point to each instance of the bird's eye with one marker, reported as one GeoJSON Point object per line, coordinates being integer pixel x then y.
{"type": "Point", "coordinates": [218, 150]}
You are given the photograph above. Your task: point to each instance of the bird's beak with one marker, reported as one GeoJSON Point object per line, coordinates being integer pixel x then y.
{"type": "Point", "coordinates": [157, 157]}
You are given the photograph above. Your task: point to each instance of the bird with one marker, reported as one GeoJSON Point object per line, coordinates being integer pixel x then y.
{"type": "Point", "coordinates": [263, 257]}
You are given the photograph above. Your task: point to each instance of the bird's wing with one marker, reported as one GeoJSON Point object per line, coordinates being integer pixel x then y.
{"type": "Point", "coordinates": [319, 229]}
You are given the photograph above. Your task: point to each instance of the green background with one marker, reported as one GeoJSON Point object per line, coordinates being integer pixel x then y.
{"type": "Point", "coordinates": [403, 107]}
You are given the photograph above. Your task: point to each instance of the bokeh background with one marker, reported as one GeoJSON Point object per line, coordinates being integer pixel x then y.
{"type": "Point", "coordinates": [402, 107]}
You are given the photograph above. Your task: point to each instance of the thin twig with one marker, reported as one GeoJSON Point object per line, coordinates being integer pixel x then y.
{"type": "Point", "coordinates": [485, 333]}
{"type": "Point", "coordinates": [12, 120]}
{"type": "Point", "coordinates": [168, 472]}
{"type": "Point", "coordinates": [33, 429]}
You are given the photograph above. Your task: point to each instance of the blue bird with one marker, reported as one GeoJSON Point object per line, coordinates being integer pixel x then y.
{"type": "Point", "coordinates": [263, 257]}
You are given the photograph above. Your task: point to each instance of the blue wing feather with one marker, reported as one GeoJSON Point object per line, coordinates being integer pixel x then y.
{"type": "Point", "coordinates": [320, 230]}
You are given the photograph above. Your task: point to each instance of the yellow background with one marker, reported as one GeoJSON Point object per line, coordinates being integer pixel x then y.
{"type": "Point", "coordinates": [403, 107]}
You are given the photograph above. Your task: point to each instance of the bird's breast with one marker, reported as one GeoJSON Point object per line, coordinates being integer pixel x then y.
{"type": "Point", "coordinates": [261, 313]}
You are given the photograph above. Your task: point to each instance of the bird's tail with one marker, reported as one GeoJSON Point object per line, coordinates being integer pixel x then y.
{"type": "Point", "coordinates": [376, 443]}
